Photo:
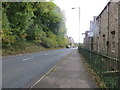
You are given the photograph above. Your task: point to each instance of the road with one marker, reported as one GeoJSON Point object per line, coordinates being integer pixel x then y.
{"type": "Point", "coordinates": [22, 71]}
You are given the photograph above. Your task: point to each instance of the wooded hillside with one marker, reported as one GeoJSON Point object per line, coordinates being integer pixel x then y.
{"type": "Point", "coordinates": [38, 23]}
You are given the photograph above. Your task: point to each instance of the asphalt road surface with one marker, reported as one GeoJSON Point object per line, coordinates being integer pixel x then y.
{"type": "Point", "coordinates": [22, 71]}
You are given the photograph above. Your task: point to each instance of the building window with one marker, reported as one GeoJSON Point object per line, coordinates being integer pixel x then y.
{"type": "Point", "coordinates": [113, 41]}
{"type": "Point", "coordinates": [104, 43]}
{"type": "Point", "coordinates": [107, 43]}
{"type": "Point", "coordinates": [113, 34]}
{"type": "Point", "coordinates": [104, 38]}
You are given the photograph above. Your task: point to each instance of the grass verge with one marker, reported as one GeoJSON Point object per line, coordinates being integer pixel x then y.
{"type": "Point", "coordinates": [24, 47]}
{"type": "Point", "coordinates": [93, 74]}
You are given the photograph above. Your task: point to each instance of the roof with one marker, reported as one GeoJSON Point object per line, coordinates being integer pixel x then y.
{"type": "Point", "coordinates": [103, 9]}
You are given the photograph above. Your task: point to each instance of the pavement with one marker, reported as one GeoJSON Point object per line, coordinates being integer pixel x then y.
{"type": "Point", "coordinates": [22, 71]}
{"type": "Point", "coordinates": [70, 73]}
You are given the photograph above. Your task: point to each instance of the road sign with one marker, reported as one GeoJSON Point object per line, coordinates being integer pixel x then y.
{"type": "Point", "coordinates": [90, 34]}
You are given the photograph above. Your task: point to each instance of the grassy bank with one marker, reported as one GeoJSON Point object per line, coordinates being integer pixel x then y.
{"type": "Point", "coordinates": [24, 47]}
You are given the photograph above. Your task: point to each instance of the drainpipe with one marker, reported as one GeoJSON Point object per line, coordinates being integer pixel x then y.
{"type": "Point", "coordinates": [107, 43]}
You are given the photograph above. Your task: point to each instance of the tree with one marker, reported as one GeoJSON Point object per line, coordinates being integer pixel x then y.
{"type": "Point", "coordinates": [41, 22]}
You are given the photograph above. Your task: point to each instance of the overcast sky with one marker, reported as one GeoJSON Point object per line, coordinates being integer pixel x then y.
{"type": "Point", "coordinates": [88, 9]}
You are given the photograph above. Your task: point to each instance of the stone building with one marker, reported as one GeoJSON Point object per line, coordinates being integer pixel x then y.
{"type": "Point", "coordinates": [91, 42]}
{"type": "Point", "coordinates": [87, 41]}
{"type": "Point", "coordinates": [119, 33]}
{"type": "Point", "coordinates": [106, 28]}
{"type": "Point", "coordinates": [71, 41]}
{"type": "Point", "coordinates": [94, 28]}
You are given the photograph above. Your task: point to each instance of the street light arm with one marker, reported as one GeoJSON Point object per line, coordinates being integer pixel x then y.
{"type": "Point", "coordinates": [75, 7]}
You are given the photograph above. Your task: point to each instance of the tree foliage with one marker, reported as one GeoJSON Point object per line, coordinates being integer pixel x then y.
{"type": "Point", "coordinates": [41, 22]}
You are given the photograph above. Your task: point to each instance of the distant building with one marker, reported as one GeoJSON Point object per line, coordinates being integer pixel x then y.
{"type": "Point", "coordinates": [91, 36]}
{"type": "Point", "coordinates": [71, 41]}
{"type": "Point", "coordinates": [87, 41]}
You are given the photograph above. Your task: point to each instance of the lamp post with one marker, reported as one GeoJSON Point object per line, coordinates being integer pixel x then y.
{"type": "Point", "coordinates": [79, 21]}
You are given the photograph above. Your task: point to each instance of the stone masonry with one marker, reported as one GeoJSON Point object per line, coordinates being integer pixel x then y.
{"type": "Point", "coordinates": [106, 28]}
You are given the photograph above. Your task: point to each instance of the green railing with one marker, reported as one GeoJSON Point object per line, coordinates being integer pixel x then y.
{"type": "Point", "coordinates": [106, 67]}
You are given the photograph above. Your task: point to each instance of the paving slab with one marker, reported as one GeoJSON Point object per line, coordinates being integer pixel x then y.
{"type": "Point", "coordinates": [71, 73]}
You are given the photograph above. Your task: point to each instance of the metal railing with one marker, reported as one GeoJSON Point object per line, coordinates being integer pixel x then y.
{"type": "Point", "coordinates": [106, 67]}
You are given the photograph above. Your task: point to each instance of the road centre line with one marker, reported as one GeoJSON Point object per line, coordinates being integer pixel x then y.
{"type": "Point", "coordinates": [46, 54]}
{"type": "Point", "coordinates": [27, 59]}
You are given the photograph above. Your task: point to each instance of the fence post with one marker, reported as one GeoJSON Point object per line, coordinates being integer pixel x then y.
{"type": "Point", "coordinates": [91, 49]}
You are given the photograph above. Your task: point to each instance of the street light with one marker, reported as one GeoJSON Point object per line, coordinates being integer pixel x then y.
{"type": "Point", "coordinates": [79, 21]}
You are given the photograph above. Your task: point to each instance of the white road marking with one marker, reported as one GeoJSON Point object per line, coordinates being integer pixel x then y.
{"type": "Point", "coordinates": [27, 59]}
{"type": "Point", "coordinates": [46, 54]}
{"type": "Point", "coordinates": [20, 54]}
